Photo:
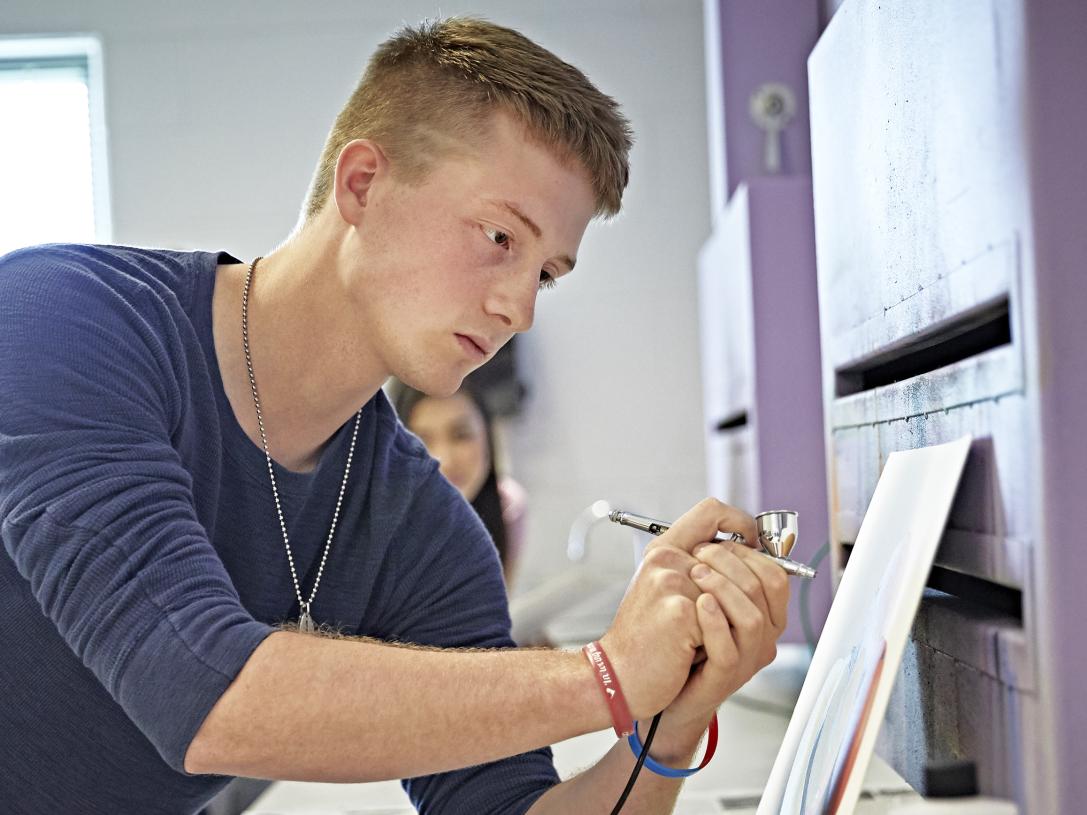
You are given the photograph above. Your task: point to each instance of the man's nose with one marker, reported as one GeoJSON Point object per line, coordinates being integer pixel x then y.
{"type": "Point", "coordinates": [513, 300]}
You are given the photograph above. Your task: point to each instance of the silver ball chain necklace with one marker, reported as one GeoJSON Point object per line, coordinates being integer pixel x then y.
{"type": "Point", "coordinates": [305, 619]}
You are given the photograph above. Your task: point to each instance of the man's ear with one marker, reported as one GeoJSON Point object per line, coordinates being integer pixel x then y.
{"type": "Point", "coordinates": [360, 162]}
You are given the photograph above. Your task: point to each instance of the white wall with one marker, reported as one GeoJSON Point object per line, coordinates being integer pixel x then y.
{"type": "Point", "coordinates": [217, 113]}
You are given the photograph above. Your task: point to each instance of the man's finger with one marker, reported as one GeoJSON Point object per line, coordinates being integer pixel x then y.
{"type": "Point", "coordinates": [719, 568]}
{"type": "Point", "coordinates": [774, 581]}
{"type": "Point", "coordinates": [705, 520]}
{"type": "Point", "coordinates": [762, 580]}
{"type": "Point", "coordinates": [722, 653]}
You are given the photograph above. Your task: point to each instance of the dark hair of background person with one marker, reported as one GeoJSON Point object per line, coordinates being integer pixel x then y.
{"type": "Point", "coordinates": [488, 503]}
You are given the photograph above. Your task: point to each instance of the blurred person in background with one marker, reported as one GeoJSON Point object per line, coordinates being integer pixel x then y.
{"type": "Point", "coordinates": [458, 430]}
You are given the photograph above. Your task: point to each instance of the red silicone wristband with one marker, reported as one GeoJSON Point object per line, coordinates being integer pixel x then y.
{"type": "Point", "coordinates": [711, 743]}
{"type": "Point", "coordinates": [621, 719]}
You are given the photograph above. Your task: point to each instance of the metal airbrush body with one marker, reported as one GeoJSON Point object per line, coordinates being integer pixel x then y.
{"type": "Point", "coordinates": [777, 534]}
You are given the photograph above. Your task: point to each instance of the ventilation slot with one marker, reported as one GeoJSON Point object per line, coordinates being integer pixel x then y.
{"type": "Point", "coordinates": [966, 336]}
{"type": "Point", "coordinates": [975, 590]}
{"type": "Point", "coordinates": [732, 421]}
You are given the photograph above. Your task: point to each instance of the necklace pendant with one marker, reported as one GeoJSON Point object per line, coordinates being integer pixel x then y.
{"type": "Point", "coordinates": [306, 624]}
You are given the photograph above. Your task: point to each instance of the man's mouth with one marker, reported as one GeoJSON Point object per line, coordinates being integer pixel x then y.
{"type": "Point", "coordinates": [474, 346]}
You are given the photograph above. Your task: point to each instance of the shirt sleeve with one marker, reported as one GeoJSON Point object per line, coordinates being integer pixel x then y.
{"type": "Point", "coordinates": [96, 507]}
{"type": "Point", "coordinates": [453, 596]}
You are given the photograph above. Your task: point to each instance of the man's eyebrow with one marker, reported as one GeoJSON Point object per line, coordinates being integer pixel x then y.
{"type": "Point", "coordinates": [531, 224]}
{"type": "Point", "coordinates": [513, 209]}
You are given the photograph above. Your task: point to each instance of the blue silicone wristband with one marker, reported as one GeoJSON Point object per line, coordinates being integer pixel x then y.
{"type": "Point", "coordinates": [636, 747]}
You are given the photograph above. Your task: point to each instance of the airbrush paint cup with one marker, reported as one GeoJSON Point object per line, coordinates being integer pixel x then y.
{"type": "Point", "coordinates": [778, 531]}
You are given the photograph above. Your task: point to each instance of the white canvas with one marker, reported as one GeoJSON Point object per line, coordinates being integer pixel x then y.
{"type": "Point", "coordinates": [832, 733]}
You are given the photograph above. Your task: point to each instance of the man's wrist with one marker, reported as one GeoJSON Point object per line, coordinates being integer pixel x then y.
{"type": "Point", "coordinates": [676, 741]}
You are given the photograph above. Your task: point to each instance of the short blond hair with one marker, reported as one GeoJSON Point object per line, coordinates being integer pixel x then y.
{"type": "Point", "coordinates": [444, 79]}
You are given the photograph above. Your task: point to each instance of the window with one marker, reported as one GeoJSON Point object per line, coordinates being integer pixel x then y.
{"type": "Point", "coordinates": [53, 178]}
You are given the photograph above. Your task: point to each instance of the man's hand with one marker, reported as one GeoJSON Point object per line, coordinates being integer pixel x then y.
{"type": "Point", "coordinates": [742, 613]}
{"type": "Point", "coordinates": [660, 626]}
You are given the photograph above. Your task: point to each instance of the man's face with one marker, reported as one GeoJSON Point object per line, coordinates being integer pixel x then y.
{"type": "Point", "coordinates": [445, 271]}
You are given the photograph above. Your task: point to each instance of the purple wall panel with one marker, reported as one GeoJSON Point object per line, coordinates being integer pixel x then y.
{"type": "Point", "coordinates": [788, 380]}
{"type": "Point", "coordinates": [765, 41]}
{"type": "Point", "coordinates": [1057, 105]}
{"type": "Point", "coordinates": [760, 320]}
{"type": "Point", "coordinates": [780, 452]}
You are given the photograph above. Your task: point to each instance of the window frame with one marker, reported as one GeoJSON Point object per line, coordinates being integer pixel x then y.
{"type": "Point", "coordinates": [87, 47]}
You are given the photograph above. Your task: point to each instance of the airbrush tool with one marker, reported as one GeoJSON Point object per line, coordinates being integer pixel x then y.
{"type": "Point", "coordinates": [777, 534]}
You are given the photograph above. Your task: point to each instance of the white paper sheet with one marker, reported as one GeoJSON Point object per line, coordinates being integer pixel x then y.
{"type": "Point", "coordinates": [832, 733]}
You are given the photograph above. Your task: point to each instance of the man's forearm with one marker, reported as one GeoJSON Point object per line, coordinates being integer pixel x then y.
{"type": "Point", "coordinates": [314, 709]}
{"type": "Point", "coordinates": [598, 789]}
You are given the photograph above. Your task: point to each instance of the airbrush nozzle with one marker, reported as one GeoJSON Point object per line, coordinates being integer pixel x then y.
{"type": "Point", "coordinates": [777, 534]}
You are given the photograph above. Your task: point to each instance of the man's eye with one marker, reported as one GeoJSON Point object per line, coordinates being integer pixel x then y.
{"type": "Point", "coordinates": [496, 236]}
{"type": "Point", "coordinates": [546, 280]}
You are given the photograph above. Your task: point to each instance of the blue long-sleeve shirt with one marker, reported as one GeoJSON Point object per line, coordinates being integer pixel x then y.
{"type": "Point", "coordinates": [142, 557]}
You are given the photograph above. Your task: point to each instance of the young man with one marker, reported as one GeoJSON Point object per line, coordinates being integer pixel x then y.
{"type": "Point", "coordinates": [151, 545]}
